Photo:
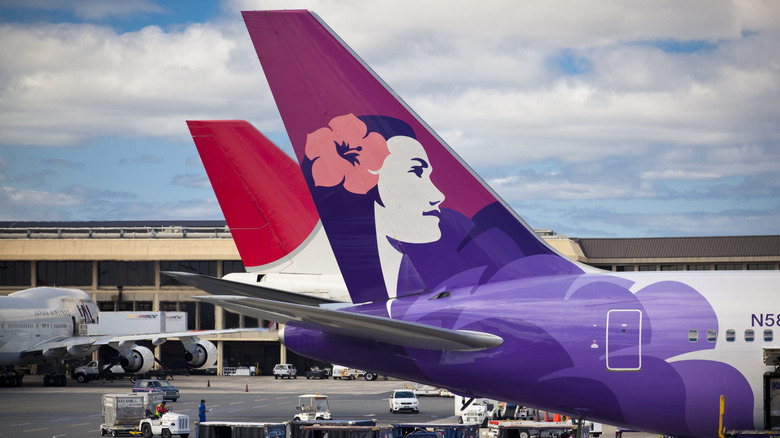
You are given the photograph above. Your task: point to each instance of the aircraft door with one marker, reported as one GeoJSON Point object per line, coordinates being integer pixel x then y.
{"type": "Point", "coordinates": [624, 340]}
{"type": "Point", "coordinates": [772, 395]}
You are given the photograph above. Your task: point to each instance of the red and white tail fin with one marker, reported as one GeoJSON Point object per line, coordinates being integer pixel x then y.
{"type": "Point", "coordinates": [268, 208]}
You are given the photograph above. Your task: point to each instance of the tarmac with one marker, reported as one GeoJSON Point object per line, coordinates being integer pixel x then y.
{"type": "Point", "coordinates": [35, 411]}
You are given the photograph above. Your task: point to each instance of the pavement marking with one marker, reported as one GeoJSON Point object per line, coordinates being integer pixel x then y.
{"type": "Point", "coordinates": [60, 419]}
{"type": "Point", "coordinates": [235, 403]}
{"type": "Point", "coordinates": [79, 424]}
{"type": "Point", "coordinates": [19, 424]}
{"type": "Point", "coordinates": [36, 430]}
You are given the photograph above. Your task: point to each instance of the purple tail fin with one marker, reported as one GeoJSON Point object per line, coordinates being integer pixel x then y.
{"type": "Point", "coordinates": [402, 211]}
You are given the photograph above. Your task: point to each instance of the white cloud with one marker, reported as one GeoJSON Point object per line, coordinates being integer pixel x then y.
{"type": "Point", "coordinates": [10, 196]}
{"type": "Point", "coordinates": [489, 79]}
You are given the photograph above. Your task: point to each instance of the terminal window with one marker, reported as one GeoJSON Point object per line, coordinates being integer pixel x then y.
{"type": "Point", "coordinates": [15, 273]}
{"type": "Point", "coordinates": [64, 273]}
{"type": "Point", "coordinates": [231, 266]}
{"type": "Point", "coordinates": [119, 273]}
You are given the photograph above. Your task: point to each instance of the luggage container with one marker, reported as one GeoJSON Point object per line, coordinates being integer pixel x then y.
{"type": "Point", "coordinates": [446, 430]}
{"type": "Point", "coordinates": [336, 431]}
{"type": "Point", "coordinates": [123, 412]}
{"type": "Point", "coordinates": [296, 428]}
{"type": "Point", "coordinates": [222, 429]}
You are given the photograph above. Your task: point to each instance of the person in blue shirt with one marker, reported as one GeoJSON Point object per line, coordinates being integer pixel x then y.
{"type": "Point", "coordinates": [202, 411]}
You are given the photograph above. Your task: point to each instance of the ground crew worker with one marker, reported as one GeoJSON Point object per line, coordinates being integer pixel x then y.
{"type": "Point", "coordinates": [161, 409]}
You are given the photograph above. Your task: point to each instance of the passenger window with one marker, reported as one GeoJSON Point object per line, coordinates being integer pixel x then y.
{"type": "Point", "coordinates": [749, 335]}
{"type": "Point", "coordinates": [731, 334]}
{"type": "Point", "coordinates": [768, 335]}
{"type": "Point", "coordinates": [712, 335]}
{"type": "Point", "coordinates": [693, 335]}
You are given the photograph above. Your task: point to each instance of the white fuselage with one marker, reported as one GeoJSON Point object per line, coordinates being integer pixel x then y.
{"type": "Point", "coordinates": [31, 316]}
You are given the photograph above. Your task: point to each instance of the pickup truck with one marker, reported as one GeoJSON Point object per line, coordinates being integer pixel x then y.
{"type": "Point", "coordinates": [93, 370]}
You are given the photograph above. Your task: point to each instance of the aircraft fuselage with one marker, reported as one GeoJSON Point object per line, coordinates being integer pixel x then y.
{"type": "Point", "coordinates": [604, 346]}
{"type": "Point", "coordinates": [34, 315]}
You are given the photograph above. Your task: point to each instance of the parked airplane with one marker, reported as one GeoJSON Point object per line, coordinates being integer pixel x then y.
{"type": "Point", "coordinates": [41, 326]}
{"type": "Point", "coordinates": [451, 288]}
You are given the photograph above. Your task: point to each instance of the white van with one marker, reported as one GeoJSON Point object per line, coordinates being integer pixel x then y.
{"type": "Point", "coordinates": [285, 370]}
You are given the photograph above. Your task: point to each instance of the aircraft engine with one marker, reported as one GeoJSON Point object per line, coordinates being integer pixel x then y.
{"type": "Point", "coordinates": [139, 361]}
{"type": "Point", "coordinates": [202, 355]}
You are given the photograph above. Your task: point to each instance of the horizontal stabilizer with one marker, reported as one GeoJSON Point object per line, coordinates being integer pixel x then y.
{"type": "Point", "coordinates": [217, 286]}
{"type": "Point", "coordinates": [337, 322]}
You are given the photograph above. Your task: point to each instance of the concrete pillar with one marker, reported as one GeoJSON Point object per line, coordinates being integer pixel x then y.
{"type": "Point", "coordinates": [219, 318]}
{"type": "Point", "coordinates": [220, 357]}
{"type": "Point", "coordinates": [282, 350]}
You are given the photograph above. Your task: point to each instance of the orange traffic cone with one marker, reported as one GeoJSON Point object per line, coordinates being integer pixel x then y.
{"type": "Point", "coordinates": [557, 418]}
{"type": "Point", "coordinates": [247, 388]}
{"type": "Point", "coordinates": [546, 417]}
{"type": "Point", "coordinates": [537, 416]}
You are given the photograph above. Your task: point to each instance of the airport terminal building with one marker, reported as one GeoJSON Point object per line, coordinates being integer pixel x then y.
{"type": "Point", "coordinates": [121, 263]}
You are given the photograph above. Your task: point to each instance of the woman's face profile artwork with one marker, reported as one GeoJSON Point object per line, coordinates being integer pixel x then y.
{"type": "Point", "coordinates": [410, 200]}
{"type": "Point", "coordinates": [346, 153]}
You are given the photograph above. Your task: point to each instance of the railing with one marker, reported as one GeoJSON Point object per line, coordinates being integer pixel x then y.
{"type": "Point", "coordinates": [131, 232]}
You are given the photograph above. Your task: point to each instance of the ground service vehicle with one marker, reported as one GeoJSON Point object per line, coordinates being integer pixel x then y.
{"type": "Point", "coordinates": [169, 424]}
{"type": "Point", "coordinates": [420, 389]}
{"type": "Point", "coordinates": [317, 373]}
{"type": "Point", "coordinates": [134, 414]}
{"type": "Point", "coordinates": [312, 407]}
{"type": "Point", "coordinates": [475, 410]}
{"type": "Point", "coordinates": [342, 372]}
{"type": "Point", "coordinates": [404, 400]}
{"type": "Point", "coordinates": [285, 370]}
{"type": "Point", "coordinates": [93, 370]}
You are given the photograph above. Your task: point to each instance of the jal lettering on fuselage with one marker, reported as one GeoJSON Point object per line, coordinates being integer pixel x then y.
{"type": "Point", "coordinates": [52, 312]}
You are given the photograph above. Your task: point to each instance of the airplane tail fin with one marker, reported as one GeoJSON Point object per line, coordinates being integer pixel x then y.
{"type": "Point", "coordinates": [403, 213]}
{"type": "Point", "coordinates": [260, 189]}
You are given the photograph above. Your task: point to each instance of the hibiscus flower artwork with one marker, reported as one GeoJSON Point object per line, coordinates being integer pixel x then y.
{"type": "Point", "coordinates": [345, 151]}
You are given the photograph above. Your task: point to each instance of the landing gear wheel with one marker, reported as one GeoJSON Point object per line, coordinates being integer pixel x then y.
{"type": "Point", "coordinates": [146, 430]}
{"type": "Point", "coordinates": [47, 380]}
{"type": "Point", "coordinates": [524, 434]}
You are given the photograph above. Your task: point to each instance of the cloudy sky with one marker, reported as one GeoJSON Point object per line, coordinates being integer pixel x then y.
{"type": "Point", "coordinates": [594, 119]}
